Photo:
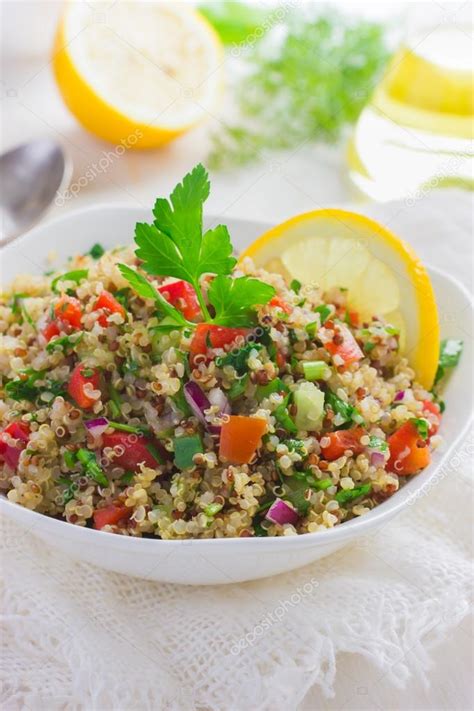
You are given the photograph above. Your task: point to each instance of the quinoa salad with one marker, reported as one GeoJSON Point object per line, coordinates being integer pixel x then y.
{"type": "Point", "coordinates": [164, 390]}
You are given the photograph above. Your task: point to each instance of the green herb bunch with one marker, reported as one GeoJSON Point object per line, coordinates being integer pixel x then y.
{"type": "Point", "coordinates": [306, 85]}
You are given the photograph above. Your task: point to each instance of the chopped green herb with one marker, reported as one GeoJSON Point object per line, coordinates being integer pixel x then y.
{"type": "Point", "coordinates": [238, 387]}
{"type": "Point", "coordinates": [181, 402]}
{"type": "Point", "coordinates": [76, 275]}
{"type": "Point", "coordinates": [378, 444]}
{"type": "Point", "coordinates": [130, 366]}
{"type": "Point", "coordinates": [70, 459]}
{"type": "Point", "coordinates": [91, 468]}
{"type": "Point", "coordinates": [258, 529]}
{"type": "Point", "coordinates": [422, 425]}
{"type": "Point", "coordinates": [115, 402]}
{"type": "Point", "coordinates": [347, 411]}
{"type": "Point", "coordinates": [127, 478]}
{"type": "Point", "coordinates": [298, 446]}
{"type": "Point", "coordinates": [347, 495]}
{"type": "Point", "coordinates": [450, 353]}
{"type": "Point", "coordinates": [295, 285]}
{"type": "Point", "coordinates": [122, 296]}
{"type": "Point", "coordinates": [283, 418]}
{"type": "Point", "coordinates": [139, 430]}
{"type": "Point", "coordinates": [238, 357]}
{"type": "Point", "coordinates": [65, 343]}
{"type": "Point", "coordinates": [184, 450]}
{"type": "Point", "coordinates": [369, 346]}
{"type": "Point", "coordinates": [71, 488]}
{"type": "Point", "coordinates": [274, 386]}
{"type": "Point", "coordinates": [324, 312]}
{"type": "Point", "coordinates": [25, 388]}
{"type": "Point", "coordinates": [16, 301]}
{"type": "Point", "coordinates": [96, 251]}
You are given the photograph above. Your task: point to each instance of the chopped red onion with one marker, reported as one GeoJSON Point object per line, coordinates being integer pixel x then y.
{"type": "Point", "coordinates": [197, 400]}
{"type": "Point", "coordinates": [218, 397]}
{"type": "Point", "coordinates": [282, 512]}
{"type": "Point", "coordinates": [98, 426]}
{"type": "Point", "coordinates": [399, 396]}
{"type": "Point", "coordinates": [377, 459]}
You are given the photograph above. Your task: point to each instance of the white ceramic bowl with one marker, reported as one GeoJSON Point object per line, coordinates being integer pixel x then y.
{"type": "Point", "coordinates": [226, 560]}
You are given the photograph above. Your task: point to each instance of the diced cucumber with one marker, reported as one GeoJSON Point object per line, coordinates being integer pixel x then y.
{"type": "Point", "coordinates": [309, 401]}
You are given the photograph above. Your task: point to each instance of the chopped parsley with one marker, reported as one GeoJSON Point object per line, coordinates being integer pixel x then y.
{"type": "Point", "coordinates": [238, 358]}
{"type": "Point", "coordinates": [96, 251]}
{"type": "Point", "coordinates": [450, 353]}
{"type": "Point", "coordinates": [346, 411]}
{"type": "Point", "coordinates": [65, 343]}
{"type": "Point", "coordinates": [422, 425]}
{"type": "Point", "coordinates": [76, 275]}
{"type": "Point", "coordinates": [348, 495]}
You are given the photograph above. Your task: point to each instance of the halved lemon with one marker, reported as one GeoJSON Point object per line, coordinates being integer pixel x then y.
{"type": "Point", "coordinates": [135, 71]}
{"type": "Point", "coordinates": [382, 274]}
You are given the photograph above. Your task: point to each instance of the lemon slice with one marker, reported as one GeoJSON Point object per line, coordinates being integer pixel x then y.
{"type": "Point", "coordinates": [135, 71]}
{"type": "Point", "coordinates": [382, 274]}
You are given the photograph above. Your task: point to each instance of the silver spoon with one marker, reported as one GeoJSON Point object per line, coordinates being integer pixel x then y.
{"type": "Point", "coordinates": [30, 176]}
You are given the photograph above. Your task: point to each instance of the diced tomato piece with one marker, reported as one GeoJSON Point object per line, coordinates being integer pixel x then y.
{"type": "Point", "coordinates": [69, 311]}
{"type": "Point", "coordinates": [408, 452]}
{"type": "Point", "coordinates": [182, 296]}
{"type": "Point", "coordinates": [19, 431]}
{"type": "Point", "coordinates": [433, 414]}
{"type": "Point", "coordinates": [108, 304]}
{"type": "Point", "coordinates": [137, 449]}
{"type": "Point", "coordinates": [278, 301]}
{"type": "Point", "coordinates": [110, 515]}
{"type": "Point", "coordinates": [79, 378]}
{"type": "Point", "coordinates": [215, 336]}
{"type": "Point", "coordinates": [348, 348]}
{"type": "Point", "coordinates": [340, 441]}
{"type": "Point", "coordinates": [240, 438]}
{"type": "Point", "coordinates": [51, 330]}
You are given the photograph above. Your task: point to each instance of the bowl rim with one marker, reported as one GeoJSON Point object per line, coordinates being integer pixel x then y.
{"type": "Point", "coordinates": [357, 526]}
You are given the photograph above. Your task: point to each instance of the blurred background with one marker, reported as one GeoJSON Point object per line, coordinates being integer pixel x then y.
{"type": "Point", "coordinates": [292, 105]}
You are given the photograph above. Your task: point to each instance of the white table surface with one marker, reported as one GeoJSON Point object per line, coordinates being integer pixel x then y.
{"type": "Point", "coordinates": [311, 177]}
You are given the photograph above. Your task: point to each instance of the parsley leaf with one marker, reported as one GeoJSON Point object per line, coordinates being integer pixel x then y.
{"type": "Point", "coordinates": [234, 300]}
{"type": "Point", "coordinates": [96, 251]}
{"type": "Point", "coordinates": [147, 291]}
{"type": "Point", "coordinates": [238, 358]}
{"type": "Point", "coordinates": [65, 343]}
{"type": "Point", "coordinates": [450, 353]}
{"type": "Point", "coordinates": [175, 245]}
{"type": "Point", "coordinates": [75, 275]}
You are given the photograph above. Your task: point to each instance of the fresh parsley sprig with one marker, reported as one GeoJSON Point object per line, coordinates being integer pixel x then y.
{"type": "Point", "coordinates": [175, 245]}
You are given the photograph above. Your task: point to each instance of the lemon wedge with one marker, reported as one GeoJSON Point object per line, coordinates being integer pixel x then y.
{"type": "Point", "coordinates": [139, 72]}
{"type": "Point", "coordinates": [382, 274]}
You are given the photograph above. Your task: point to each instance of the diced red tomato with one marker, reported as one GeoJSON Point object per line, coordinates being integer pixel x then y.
{"type": "Point", "coordinates": [432, 412]}
{"type": "Point", "coordinates": [108, 304]}
{"type": "Point", "coordinates": [348, 349]}
{"type": "Point", "coordinates": [216, 336]}
{"type": "Point", "coordinates": [341, 440]}
{"type": "Point", "coordinates": [19, 431]}
{"type": "Point", "coordinates": [408, 452]}
{"type": "Point", "coordinates": [137, 449]}
{"type": "Point", "coordinates": [278, 301]}
{"type": "Point", "coordinates": [51, 330]}
{"type": "Point", "coordinates": [182, 296]}
{"type": "Point", "coordinates": [110, 515]}
{"type": "Point", "coordinates": [240, 438]}
{"type": "Point", "coordinates": [81, 375]}
{"type": "Point", "coordinates": [68, 310]}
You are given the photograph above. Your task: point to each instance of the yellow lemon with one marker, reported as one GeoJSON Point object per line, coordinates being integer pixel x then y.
{"type": "Point", "coordinates": [137, 73]}
{"type": "Point", "coordinates": [382, 274]}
